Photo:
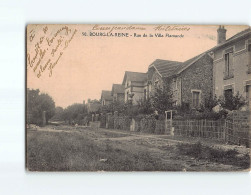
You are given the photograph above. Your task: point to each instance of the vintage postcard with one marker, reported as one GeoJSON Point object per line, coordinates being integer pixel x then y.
{"type": "Point", "coordinates": [138, 97]}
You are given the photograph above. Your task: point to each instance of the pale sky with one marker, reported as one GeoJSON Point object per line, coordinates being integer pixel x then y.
{"type": "Point", "coordinates": [92, 64]}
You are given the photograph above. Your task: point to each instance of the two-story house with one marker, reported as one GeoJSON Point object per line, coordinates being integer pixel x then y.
{"type": "Point", "coordinates": [232, 64]}
{"type": "Point", "coordinates": [106, 98]}
{"type": "Point", "coordinates": [118, 93]}
{"type": "Point", "coordinates": [135, 84]}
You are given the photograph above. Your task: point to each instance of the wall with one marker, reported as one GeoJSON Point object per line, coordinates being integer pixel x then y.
{"type": "Point", "coordinates": [199, 76]}
{"type": "Point", "coordinates": [120, 97]}
{"type": "Point", "coordinates": [240, 61]}
{"type": "Point", "coordinates": [155, 77]}
{"type": "Point", "coordinates": [137, 88]}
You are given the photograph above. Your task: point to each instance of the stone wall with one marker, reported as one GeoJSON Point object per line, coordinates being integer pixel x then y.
{"type": "Point", "coordinates": [240, 127]}
{"type": "Point", "coordinates": [199, 76]}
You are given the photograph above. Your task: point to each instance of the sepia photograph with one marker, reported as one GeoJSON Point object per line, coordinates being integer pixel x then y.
{"type": "Point", "coordinates": [121, 97]}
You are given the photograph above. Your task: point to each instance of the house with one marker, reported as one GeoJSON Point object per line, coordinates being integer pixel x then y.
{"type": "Point", "coordinates": [159, 73]}
{"type": "Point", "coordinates": [232, 64]}
{"type": "Point", "coordinates": [118, 93]}
{"type": "Point", "coordinates": [190, 82]}
{"type": "Point", "coordinates": [135, 84]}
{"type": "Point", "coordinates": [106, 98]}
{"type": "Point", "coordinates": [93, 106]}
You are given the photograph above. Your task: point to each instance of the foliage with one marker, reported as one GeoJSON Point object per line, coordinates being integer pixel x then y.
{"type": "Point", "coordinates": [58, 114]}
{"type": "Point", "coordinates": [36, 104]}
{"type": "Point", "coordinates": [145, 106]}
{"type": "Point", "coordinates": [75, 113]}
{"type": "Point", "coordinates": [112, 107]}
{"type": "Point", "coordinates": [210, 102]}
{"type": "Point", "coordinates": [232, 102]}
{"type": "Point", "coordinates": [162, 100]}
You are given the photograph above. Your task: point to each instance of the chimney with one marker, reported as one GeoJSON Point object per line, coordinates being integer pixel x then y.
{"type": "Point", "coordinates": [221, 35]}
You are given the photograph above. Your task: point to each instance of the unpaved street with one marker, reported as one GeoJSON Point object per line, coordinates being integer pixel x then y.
{"type": "Point", "coordinates": [161, 149]}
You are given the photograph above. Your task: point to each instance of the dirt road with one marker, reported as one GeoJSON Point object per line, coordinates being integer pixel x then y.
{"type": "Point", "coordinates": [161, 148]}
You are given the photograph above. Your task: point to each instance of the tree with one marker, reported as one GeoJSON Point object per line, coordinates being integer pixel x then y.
{"type": "Point", "coordinates": [162, 100]}
{"type": "Point", "coordinates": [145, 106]}
{"type": "Point", "coordinates": [232, 102]}
{"type": "Point", "coordinates": [58, 114]}
{"type": "Point", "coordinates": [74, 113]}
{"type": "Point", "coordinates": [38, 103]}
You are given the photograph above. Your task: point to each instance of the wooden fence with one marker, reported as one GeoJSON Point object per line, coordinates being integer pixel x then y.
{"type": "Point", "coordinates": [224, 130]}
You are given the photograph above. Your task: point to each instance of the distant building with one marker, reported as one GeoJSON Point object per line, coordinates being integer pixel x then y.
{"type": "Point", "coordinates": [135, 84]}
{"type": "Point", "coordinates": [118, 93]}
{"type": "Point", "coordinates": [106, 98]}
{"type": "Point", "coordinates": [232, 64]}
{"type": "Point", "coordinates": [93, 106]}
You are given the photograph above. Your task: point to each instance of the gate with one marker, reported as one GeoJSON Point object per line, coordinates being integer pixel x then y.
{"type": "Point", "coordinates": [169, 129]}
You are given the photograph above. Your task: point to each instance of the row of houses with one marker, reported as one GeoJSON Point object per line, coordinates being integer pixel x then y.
{"type": "Point", "coordinates": [224, 69]}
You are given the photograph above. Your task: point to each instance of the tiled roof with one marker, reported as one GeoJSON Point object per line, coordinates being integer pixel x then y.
{"type": "Point", "coordinates": [118, 88]}
{"type": "Point", "coordinates": [239, 34]}
{"type": "Point", "coordinates": [107, 95]}
{"type": "Point", "coordinates": [188, 63]}
{"type": "Point", "coordinates": [135, 76]}
{"type": "Point", "coordinates": [165, 68]}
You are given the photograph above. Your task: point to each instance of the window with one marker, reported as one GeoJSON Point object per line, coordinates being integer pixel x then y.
{"type": "Point", "coordinates": [144, 94]}
{"type": "Point", "coordinates": [228, 65]}
{"type": "Point", "coordinates": [249, 47]}
{"type": "Point", "coordinates": [103, 102]}
{"type": "Point", "coordinates": [127, 95]}
{"type": "Point", "coordinates": [196, 99]}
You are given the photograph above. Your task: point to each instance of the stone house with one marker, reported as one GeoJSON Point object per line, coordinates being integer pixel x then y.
{"type": "Point", "coordinates": [106, 98]}
{"type": "Point", "coordinates": [232, 64]}
{"type": "Point", "coordinates": [118, 93]}
{"type": "Point", "coordinates": [159, 73]}
{"type": "Point", "coordinates": [190, 82]}
{"type": "Point", "coordinates": [135, 84]}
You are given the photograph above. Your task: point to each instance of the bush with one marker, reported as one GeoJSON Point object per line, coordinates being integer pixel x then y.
{"type": "Point", "coordinates": [232, 102]}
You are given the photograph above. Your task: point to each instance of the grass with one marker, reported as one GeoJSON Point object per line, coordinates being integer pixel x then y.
{"type": "Point", "coordinates": [228, 157]}
{"type": "Point", "coordinates": [53, 151]}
